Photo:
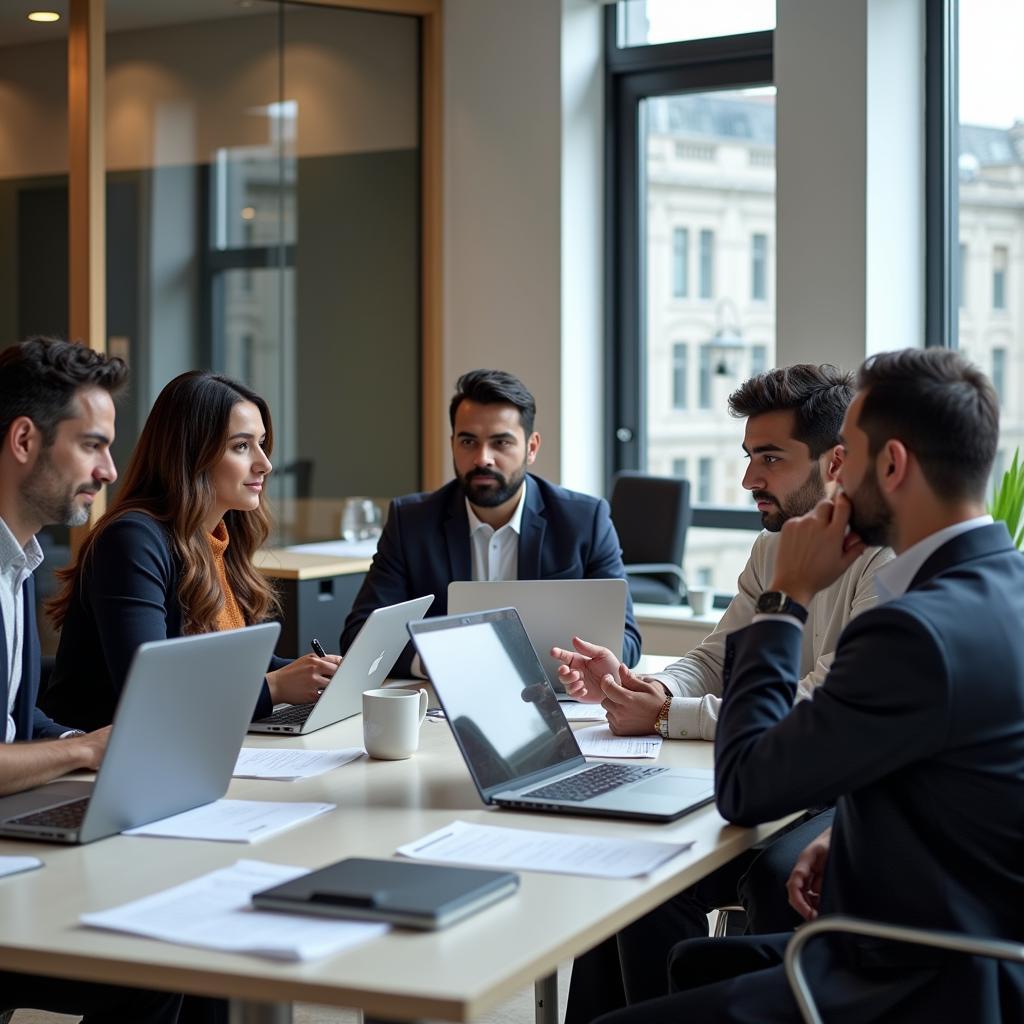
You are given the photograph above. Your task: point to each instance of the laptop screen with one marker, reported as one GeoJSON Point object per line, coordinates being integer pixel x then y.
{"type": "Point", "coordinates": [495, 695]}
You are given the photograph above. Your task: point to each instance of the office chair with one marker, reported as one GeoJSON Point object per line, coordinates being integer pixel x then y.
{"type": "Point", "coordinates": [651, 516]}
{"type": "Point", "coordinates": [994, 948]}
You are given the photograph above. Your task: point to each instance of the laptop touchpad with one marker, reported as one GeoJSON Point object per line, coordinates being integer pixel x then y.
{"type": "Point", "coordinates": [694, 789]}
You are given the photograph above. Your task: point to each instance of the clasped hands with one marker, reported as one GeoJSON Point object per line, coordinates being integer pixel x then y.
{"type": "Point", "coordinates": [594, 675]}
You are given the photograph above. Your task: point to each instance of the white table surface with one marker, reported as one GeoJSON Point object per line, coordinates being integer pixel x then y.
{"type": "Point", "coordinates": [454, 974]}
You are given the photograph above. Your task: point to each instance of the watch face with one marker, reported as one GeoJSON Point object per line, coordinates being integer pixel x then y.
{"type": "Point", "coordinates": [772, 601]}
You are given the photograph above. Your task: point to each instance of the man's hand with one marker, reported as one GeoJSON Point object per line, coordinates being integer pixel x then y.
{"type": "Point", "coordinates": [804, 885]}
{"type": "Point", "coordinates": [632, 703]}
{"type": "Point", "coordinates": [91, 747]}
{"type": "Point", "coordinates": [582, 670]}
{"type": "Point", "coordinates": [815, 550]}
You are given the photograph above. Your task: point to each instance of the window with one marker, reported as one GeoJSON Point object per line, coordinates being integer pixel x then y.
{"type": "Point", "coordinates": [999, 261]}
{"type": "Point", "coordinates": [758, 359]}
{"type": "Point", "coordinates": [681, 468]}
{"type": "Point", "coordinates": [999, 373]}
{"type": "Point", "coordinates": [759, 267]}
{"type": "Point", "coordinates": [641, 22]}
{"type": "Point", "coordinates": [704, 383]}
{"type": "Point", "coordinates": [680, 262]}
{"type": "Point", "coordinates": [707, 263]}
{"type": "Point", "coordinates": [680, 357]}
{"type": "Point", "coordinates": [704, 480]}
{"type": "Point", "coordinates": [962, 289]}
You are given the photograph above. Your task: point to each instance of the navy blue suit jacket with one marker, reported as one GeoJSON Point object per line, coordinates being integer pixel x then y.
{"type": "Point", "coordinates": [127, 595]}
{"type": "Point", "coordinates": [425, 546]}
{"type": "Point", "coordinates": [30, 722]}
{"type": "Point", "coordinates": [918, 734]}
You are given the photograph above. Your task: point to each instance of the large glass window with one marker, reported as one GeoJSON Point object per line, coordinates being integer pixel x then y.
{"type": "Point", "coordinates": [641, 22]}
{"type": "Point", "coordinates": [680, 262]}
{"type": "Point", "coordinates": [991, 202]}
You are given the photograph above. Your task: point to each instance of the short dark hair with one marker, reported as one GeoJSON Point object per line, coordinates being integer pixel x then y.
{"type": "Point", "coordinates": [39, 378]}
{"type": "Point", "coordinates": [494, 387]}
{"type": "Point", "coordinates": [943, 408]}
{"type": "Point", "coordinates": [818, 395]}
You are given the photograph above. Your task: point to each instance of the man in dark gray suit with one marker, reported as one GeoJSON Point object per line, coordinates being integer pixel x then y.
{"type": "Point", "coordinates": [917, 731]}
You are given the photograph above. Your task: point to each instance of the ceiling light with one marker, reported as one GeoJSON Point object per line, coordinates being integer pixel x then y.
{"type": "Point", "coordinates": [44, 16]}
{"type": "Point", "coordinates": [248, 213]}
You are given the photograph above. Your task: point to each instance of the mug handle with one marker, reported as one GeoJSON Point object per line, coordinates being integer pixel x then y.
{"type": "Point", "coordinates": [423, 706]}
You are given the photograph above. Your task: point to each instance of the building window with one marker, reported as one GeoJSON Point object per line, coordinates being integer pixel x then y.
{"type": "Point", "coordinates": [704, 380]}
{"type": "Point", "coordinates": [704, 480]}
{"type": "Point", "coordinates": [999, 373]}
{"type": "Point", "coordinates": [680, 262]}
{"type": "Point", "coordinates": [963, 276]}
{"type": "Point", "coordinates": [705, 576]}
{"type": "Point", "coordinates": [681, 468]}
{"type": "Point", "coordinates": [707, 263]}
{"type": "Point", "coordinates": [1000, 259]}
{"type": "Point", "coordinates": [680, 374]}
{"type": "Point", "coordinates": [759, 267]}
{"type": "Point", "coordinates": [758, 359]}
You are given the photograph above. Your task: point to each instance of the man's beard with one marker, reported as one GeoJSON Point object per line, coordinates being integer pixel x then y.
{"type": "Point", "coordinates": [799, 503]}
{"type": "Point", "coordinates": [491, 497]}
{"type": "Point", "coordinates": [870, 517]}
{"type": "Point", "coordinates": [50, 500]}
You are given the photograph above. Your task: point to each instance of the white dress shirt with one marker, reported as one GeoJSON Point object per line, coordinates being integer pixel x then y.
{"type": "Point", "coordinates": [495, 553]}
{"type": "Point", "coordinates": [16, 565]}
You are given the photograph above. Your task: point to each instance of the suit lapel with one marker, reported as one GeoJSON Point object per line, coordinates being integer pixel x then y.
{"type": "Point", "coordinates": [456, 532]}
{"type": "Point", "coordinates": [976, 543]}
{"type": "Point", "coordinates": [5, 674]}
{"type": "Point", "coordinates": [26, 703]}
{"type": "Point", "coordinates": [531, 532]}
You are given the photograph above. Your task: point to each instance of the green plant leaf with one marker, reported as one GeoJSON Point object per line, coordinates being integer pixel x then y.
{"type": "Point", "coordinates": [1007, 503]}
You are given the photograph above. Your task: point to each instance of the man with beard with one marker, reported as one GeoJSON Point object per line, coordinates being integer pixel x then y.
{"type": "Point", "coordinates": [917, 732]}
{"type": "Point", "coordinates": [494, 521]}
{"type": "Point", "coordinates": [792, 444]}
{"type": "Point", "coordinates": [56, 428]}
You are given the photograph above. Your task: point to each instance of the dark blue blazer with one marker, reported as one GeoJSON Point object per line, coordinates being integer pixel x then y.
{"type": "Point", "coordinates": [127, 595]}
{"type": "Point", "coordinates": [30, 722]}
{"type": "Point", "coordinates": [425, 546]}
{"type": "Point", "coordinates": [918, 734]}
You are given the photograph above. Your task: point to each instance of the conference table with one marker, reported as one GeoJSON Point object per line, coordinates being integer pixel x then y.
{"type": "Point", "coordinates": [455, 974]}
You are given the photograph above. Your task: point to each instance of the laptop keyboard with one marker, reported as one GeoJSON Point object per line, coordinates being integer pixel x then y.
{"type": "Point", "coordinates": [294, 714]}
{"type": "Point", "coordinates": [67, 815]}
{"type": "Point", "coordinates": [601, 778]}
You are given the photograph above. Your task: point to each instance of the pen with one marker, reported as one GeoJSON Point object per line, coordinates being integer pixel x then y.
{"type": "Point", "coordinates": [317, 649]}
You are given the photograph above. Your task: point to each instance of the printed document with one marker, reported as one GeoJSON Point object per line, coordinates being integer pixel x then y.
{"type": "Point", "coordinates": [577, 711]}
{"type": "Point", "coordinates": [338, 548]}
{"type": "Point", "coordinates": [12, 865]}
{"type": "Point", "coordinates": [490, 846]}
{"type": "Point", "coordinates": [214, 912]}
{"type": "Point", "coordinates": [286, 765]}
{"type": "Point", "coordinates": [232, 821]}
{"type": "Point", "coordinates": [600, 741]}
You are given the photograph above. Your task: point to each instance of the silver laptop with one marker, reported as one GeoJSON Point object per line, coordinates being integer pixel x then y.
{"type": "Point", "coordinates": [553, 611]}
{"type": "Point", "coordinates": [162, 757]}
{"type": "Point", "coordinates": [368, 661]}
{"type": "Point", "coordinates": [514, 737]}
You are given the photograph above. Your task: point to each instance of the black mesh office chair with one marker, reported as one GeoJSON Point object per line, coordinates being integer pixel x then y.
{"type": "Point", "coordinates": [651, 516]}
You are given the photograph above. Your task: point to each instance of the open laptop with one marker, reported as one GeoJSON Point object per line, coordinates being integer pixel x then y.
{"type": "Point", "coordinates": [368, 661]}
{"type": "Point", "coordinates": [513, 734]}
{"type": "Point", "coordinates": [553, 611]}
{"type": "Point", "coordinates": [162, 757]}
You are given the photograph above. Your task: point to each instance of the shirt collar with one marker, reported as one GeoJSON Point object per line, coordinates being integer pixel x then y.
{"type": "Point", "coordinates": [13, 554]}
{"type": "Point", "coordinates": [894, 578]}
{"type": "Point", "coordinates": [515, 523]}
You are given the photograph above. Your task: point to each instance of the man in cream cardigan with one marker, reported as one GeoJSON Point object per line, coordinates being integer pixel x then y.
{"type": "Point", "coordinates": [791, 441]}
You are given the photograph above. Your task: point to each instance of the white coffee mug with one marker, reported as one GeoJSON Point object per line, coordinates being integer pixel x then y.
{"type": "Point", "coordinates": [391, 722]}
{"type": "Point", "coordinates": [699, 599]}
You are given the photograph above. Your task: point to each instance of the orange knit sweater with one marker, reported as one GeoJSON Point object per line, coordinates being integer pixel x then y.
{"type": "Point", "coordinates": [230, 615]}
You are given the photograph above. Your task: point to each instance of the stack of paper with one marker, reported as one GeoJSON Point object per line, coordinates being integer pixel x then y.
{"type": "Point", "coordinates": [338, 548]}
{"type": "Point", "coordinates": [600, 741]}
{"type": "Point", "coordinates": [577, 711]}
{"type": "Point", "coordinates": [214, 912]}
{"type": "Point", "coordinates": [488, 846]}
{"type": "Point", "coordinates": [13, 865]}
{"type": "Point", "coordinates": [232, 821]}
{"type": "Point", "coordinates": [286, 765]}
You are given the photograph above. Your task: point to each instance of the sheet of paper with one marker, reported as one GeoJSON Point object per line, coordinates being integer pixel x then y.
{"type": "Point", "coordinates": [286, 764]}
{"type": "Point", "coordinates": [600, 741]}
{"type": "Point", "coordinates": [338, 548]}
{"type": "Point", "coordinates": [214, 912]}
{"type": "Point", "coordinates": [232, 821]}
{"type": "Point", "coordinates": [577, 711]}
{"type": "Point", "coordinates": [490, 846]}
{"type": "Point", "coordinates": [12, 865]}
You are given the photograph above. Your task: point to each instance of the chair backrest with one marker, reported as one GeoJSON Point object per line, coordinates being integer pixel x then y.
{"type": "Point", "coordinates": [651, 516]}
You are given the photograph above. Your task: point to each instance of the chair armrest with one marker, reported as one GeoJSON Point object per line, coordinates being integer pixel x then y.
{"type": "Point", "coordinates": [994, 948]}
{"type": "Point", "coordinates": [660, 568]}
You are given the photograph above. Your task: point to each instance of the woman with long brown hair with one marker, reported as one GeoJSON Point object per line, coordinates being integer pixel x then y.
{"type": "Point", "coordinates": [173, 555]}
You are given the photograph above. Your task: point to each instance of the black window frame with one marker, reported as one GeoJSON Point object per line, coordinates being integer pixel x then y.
{"type": "Point", "coordinates": [631, 74]}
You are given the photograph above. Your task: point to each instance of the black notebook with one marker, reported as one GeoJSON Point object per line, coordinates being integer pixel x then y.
{"type": "Point", "coordinates": [402, 892]}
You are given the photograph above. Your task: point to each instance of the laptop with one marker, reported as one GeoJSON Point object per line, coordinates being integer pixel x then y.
{"type": "Point", "coordinates": [162, 757]}
{"type": "Point", "coordinates": [553, 612]}
{"type": "Point", "coordinates": [373, 652]}
{"type": "Point", "coordinates": [513, 735]}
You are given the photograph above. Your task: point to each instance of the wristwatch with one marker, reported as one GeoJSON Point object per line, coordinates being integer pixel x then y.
{"type": "Point", "coordinates": [661, 722]}
{"type": "Point", "coordinates": [776, 602]}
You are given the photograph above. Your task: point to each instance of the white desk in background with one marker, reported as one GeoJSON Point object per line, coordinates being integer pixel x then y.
{"type": "Point", "coordinates": [455, 974]}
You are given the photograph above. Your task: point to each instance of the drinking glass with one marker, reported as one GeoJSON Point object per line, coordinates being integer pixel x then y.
{"type": "Point", "coordinates": [360, 519]}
